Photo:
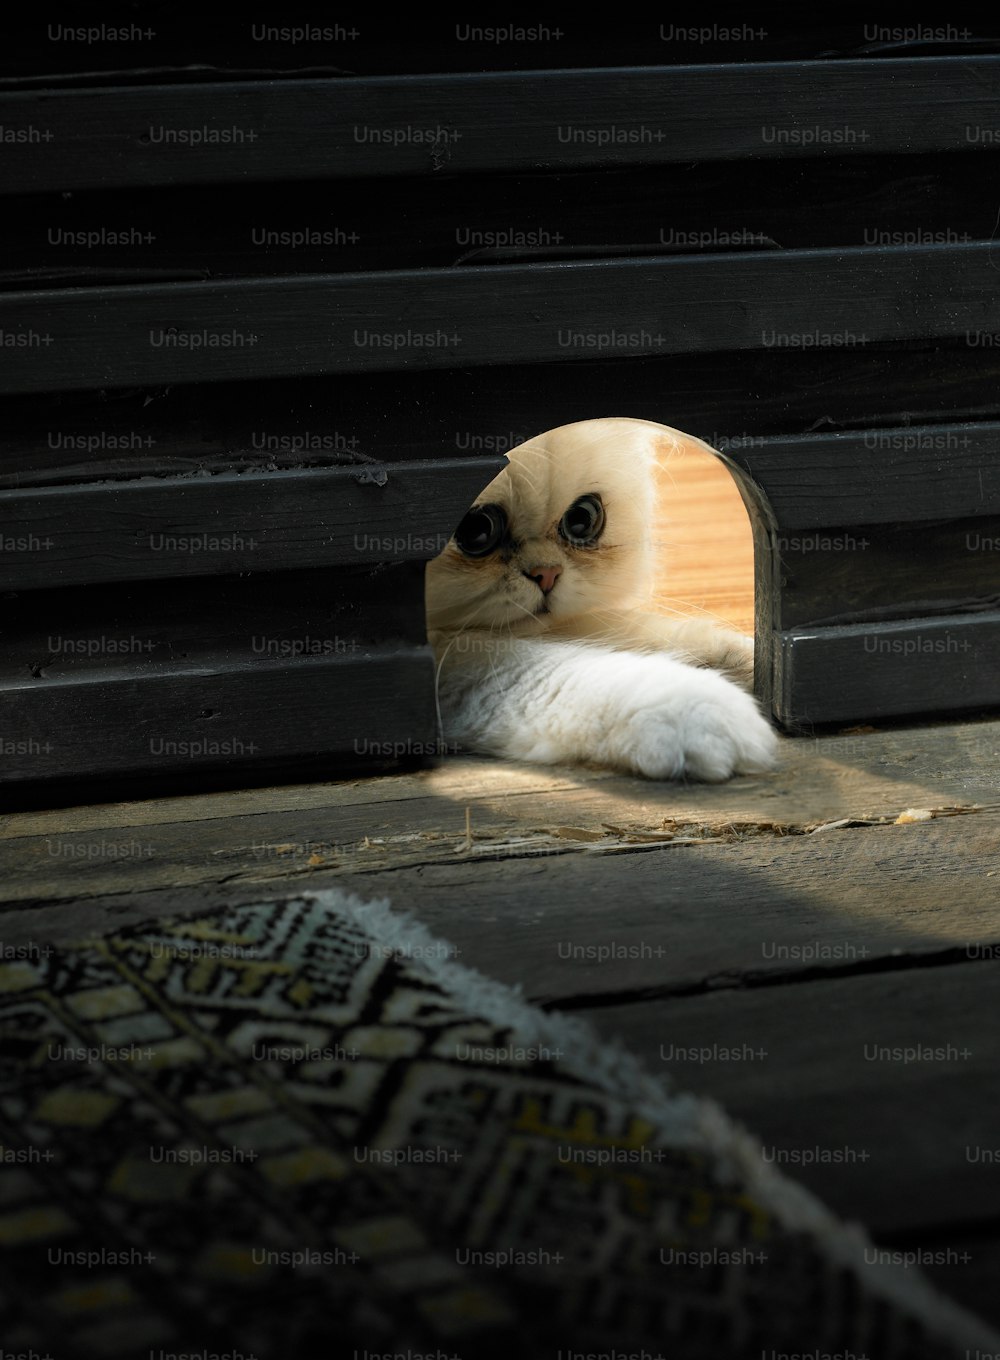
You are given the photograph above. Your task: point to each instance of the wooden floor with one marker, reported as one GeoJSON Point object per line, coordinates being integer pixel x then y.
{"type": "Point", "coordinates": [809, 920]}
{"type": "Point", "coordinates": [834, 924]}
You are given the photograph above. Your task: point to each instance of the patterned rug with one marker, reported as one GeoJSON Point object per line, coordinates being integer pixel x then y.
{"type": "Point", "coordinates": [300, 1128]}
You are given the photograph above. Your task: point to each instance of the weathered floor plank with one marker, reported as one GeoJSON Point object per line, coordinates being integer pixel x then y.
{"type": "Point", "coordinates": [901, 1142]}
{"type": "Point", "coordinates": [747, 931]}
{"type": "Point", "coordinates": [818, 776]}
{"type": "Point", "coordinates": [356, 827]}
{"type": "Point", "coordinates": [589, 926]}
{"type": "Point", "coordinates": [781, 1047]}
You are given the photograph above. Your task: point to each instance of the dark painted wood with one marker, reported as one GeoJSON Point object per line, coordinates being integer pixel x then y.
{"type": "Point", "coordinates": [169, 46]}
{"type": "Point", "coordinates": [802, 1082]}
{"type": "Point", "coordinates": [542, 916]}
{"type": "Point", "coordinates": [177, 527]}
{"type": "Point", "coordinates": [876, 578]}
{"type": "Point", "coordinates": [874, 572]}
{"type": "Point", "coordinates": [827, 299]}
{"type": "Point", "coordinates": [132, 628]}
{"type": "Point", "coordinates": [310, 717]}
{"type": "Point", "coordinates": [191, 233]}
{"type": "Point", "coordinates": [915, 178]}
{"type": "Point", "coordinates": [323, 129]}
{"type": "Point", "coordinates": [281, 671]}
{"type": "Point", "coordinates": [892, 321]}
{"type": "Point", "coordinates": [338, 420]}
{"type": "Point", "coordinates": [875, 476]}
{"type": "Point", "coordinates": [893, 669]}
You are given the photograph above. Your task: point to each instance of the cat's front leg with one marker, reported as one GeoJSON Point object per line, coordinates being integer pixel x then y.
{"type": "Point", "coordinates": [700, 642]}
{"type": "Point", "coordinates": [554, 702]}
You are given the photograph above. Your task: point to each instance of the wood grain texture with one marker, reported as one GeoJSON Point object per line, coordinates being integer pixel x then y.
{"type": "Point", "coordinates": [787, 917]}
{"type": "Point", "coordinates": [703, 541]}
{"type": "Point", "coordinates": [201, 232]}
{"type": "Point", "coordinates": [872, 573]}
{"type": "Point", "coordinates": [433, 319]}
{"type": "Point", "coordinates": [875, 476]}
{"type": "Point", "coordinates": [855, 774]}
{"type": "Point", "coordinates": [433, 43]}
{"type": "Point", "coordinates": [800, 1080]}
{"type": "Point", "coordinates": [874, 597]}
{"type": "Point", "coordinates": [824, 903]}
{"type": "Point", "coordinates": [819, 907]}
{"type": "Point", "coordinates": [859, 528]}
{"type": "Point", "coordinates": [865, 672]}
{"type": "Point", "coordinates": [183, 527]}
{"type": "Point", "coordinates": [333, 420]}
{"type": "Point", "coordinates": [132, 628]}
{"type": "Point", "coordinates": [323, 129]}
{"type": "Point", "coordinates": [765, 942]}
{"type": "Point", "coordinates": [372, 709]}
{"type": "Point", "coordinates": [515, 813]}
{"type": "Point", "coordinates": [820, 1087]}
{"type": "Point", "coordinates": [715, 952]}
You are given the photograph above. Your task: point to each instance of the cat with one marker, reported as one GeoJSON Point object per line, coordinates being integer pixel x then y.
{"type": "Point", "coordinates": [546, 650]}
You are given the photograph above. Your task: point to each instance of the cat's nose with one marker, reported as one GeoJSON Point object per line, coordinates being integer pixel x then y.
{"type": "Point", "coordinates": [544, 577]}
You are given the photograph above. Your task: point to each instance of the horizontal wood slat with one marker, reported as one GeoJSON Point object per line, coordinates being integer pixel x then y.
{"type": "Point", "coordinates": [317, 715]}
{"type": "Point", "coordinates": [888, 1071]}
{"type": "Point", "coordinates": [805, 901]}
{"type": "Point", "coordinates": [876, 572]}
{"type": "Point", "coordinates": [876, 476]}
{"type": "Point", "coordinates": [454, 335]}
{"type": "Point", "coordinates": [422, 41]}
{"type": "Point", "coordinates": [888, 670]}
{"type": "Point", "coordinates": [267, 521]}
{"type": "Point", "coordinates": [208, 623]}
{"type": "Point", "coordinates": [432, 319]}
{"type": "Point", "coordinates": [324, 129]}
{"type": "Point", "coordinates": [755, 395]}
{"type": "Point", "coordinates": [200, 232]}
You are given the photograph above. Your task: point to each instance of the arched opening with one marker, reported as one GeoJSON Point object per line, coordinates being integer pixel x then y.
{"type": "Point", "coordinates": [576, 613]}
{"type": "Point", "coordinates": [682, 543]}
{"type": "Point", "coordinates": [846, 554]}
{"type": "Point", "coordinates": [703, 537]}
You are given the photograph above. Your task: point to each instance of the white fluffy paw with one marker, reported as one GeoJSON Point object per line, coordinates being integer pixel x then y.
{"type": "Point", "coordinates": [703, 728]}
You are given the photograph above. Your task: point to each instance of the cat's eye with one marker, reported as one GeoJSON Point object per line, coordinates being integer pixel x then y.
{"type": "Point", "coordinates": [482, 530]}
{"type": "Point", "coordinates": [583, 522]}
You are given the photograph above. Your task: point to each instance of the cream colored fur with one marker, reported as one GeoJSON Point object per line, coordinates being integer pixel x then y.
{"type": "Point", "coordinates": [598, 676]}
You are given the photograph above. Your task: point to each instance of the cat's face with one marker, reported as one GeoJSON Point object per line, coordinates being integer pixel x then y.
{"type": "Point", "coordinates": [564, 529]}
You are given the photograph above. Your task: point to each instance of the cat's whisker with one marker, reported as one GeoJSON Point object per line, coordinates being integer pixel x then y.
{"type": "Point", "coordinates": [437, 685]}
{"type": "Point", "coordinates": [485, 604]}
{"type": "Point", "coordinates": [524, 610]}
{"type": "Point", "coordinates": [490, 657]}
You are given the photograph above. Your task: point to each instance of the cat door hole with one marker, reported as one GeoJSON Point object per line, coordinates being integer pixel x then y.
{"type": "Point", "coordinates": [702, 538]}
